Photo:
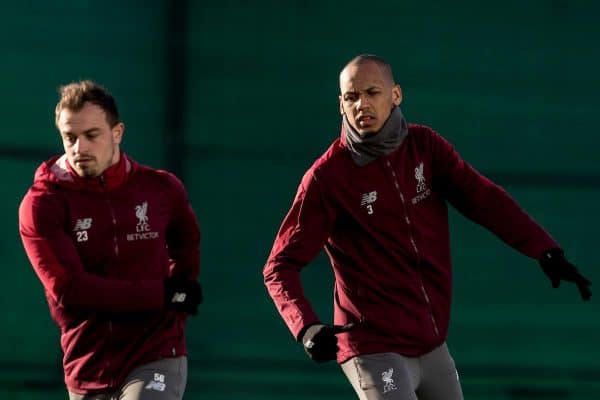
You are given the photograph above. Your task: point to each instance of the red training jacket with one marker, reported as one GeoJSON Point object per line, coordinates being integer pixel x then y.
{"type": "Point", "coordinates": [102, 248]}
{"type": "Point", "coordinates": [385, 229]}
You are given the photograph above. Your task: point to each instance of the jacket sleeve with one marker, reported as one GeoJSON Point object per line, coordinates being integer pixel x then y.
{"type": "Point", "coordinates": [183, 235]}
{"type": "Point", "coordinates": [58, 266]}
{"type": "Point", "coordinates": [485, 202]}
{"type": "Point", "coordinates": [302, 234]}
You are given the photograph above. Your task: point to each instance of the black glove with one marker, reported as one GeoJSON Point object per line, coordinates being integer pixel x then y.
{"type": "Point", "coordinates": [320, 342]}
{"type": "Point", "coordinates": [556, 266]}
{"type": "Point", "coordinates": [182, 295]}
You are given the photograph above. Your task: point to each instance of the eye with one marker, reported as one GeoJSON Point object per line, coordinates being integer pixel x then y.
{"type": "Point", "coordinates": [373, 92]}
{"type": "Point", "coordinates": [69, 139]}
{"type": "Point", "coordinates": [350, 97]}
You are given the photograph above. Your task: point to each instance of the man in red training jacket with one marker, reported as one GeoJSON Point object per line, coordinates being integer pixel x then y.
{"type": "Point", "coordinates": [376, 201]}
{"type": "Point", "coordinates": [116, 247]}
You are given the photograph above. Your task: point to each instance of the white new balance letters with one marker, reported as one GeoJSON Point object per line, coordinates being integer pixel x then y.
{"type": "Point", "coordinates": [178, 297]}
{"type": "Point", "coordinates": [157, 384]}
{"type": "Point", "coordinates": [81, 227]}
{"type": "Point", "coordinates": [83, 224]}
{"type": "Point", "coordinates": [367, 199]}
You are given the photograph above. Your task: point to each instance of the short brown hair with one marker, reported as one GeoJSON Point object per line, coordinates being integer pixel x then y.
{"type": "Point", "coordinates": [74, 96]}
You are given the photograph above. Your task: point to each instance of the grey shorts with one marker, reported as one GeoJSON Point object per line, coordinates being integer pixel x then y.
{"type": "Point", "coordinates": [159, 380]}
{"type": "Point", "coordinates": [391, 376]}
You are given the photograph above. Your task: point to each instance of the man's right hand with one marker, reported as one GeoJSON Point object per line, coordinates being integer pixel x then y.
{"type": "Point", "coordinates": [182, 295]}
{"type": "Point", "coordinates": [320, 341]}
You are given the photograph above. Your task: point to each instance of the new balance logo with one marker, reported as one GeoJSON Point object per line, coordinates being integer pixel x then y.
{"type": "Point", "coordinates": [157, 384]}
{"type": "Point", "coordinates": [83, 224]}
{"type": "Point", "coordinates": [367, 199]}
{"type": "Point", "coordinates": [178, 297]}
{"type": "Point", "coordinates": [81, 227]}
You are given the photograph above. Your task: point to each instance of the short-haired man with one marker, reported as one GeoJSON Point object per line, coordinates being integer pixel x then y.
{"type": "Point", "coordinates": [116, 247]}
{"type": "Point", "coordinates": [376, 200]}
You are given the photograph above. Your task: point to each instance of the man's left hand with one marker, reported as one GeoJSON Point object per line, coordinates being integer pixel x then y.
{"type": "Point", "coordinates": [555, 265]}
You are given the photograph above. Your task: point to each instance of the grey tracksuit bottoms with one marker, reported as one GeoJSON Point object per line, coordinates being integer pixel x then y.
{"type": "Point", "coordinates": [164, 379]}
{"type": "Point", "coordinates": [391, 376]}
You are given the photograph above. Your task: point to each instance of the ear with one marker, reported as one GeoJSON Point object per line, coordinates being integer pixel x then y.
{"type": "Point", "coordinates": [341, 105]}
{"type": "Point", "coordinates": [117, 132]}
{"type": "Point", "coordinates": [397, 95]}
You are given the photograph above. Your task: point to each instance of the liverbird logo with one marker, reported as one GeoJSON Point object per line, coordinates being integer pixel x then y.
{"type": "Point", "coordinates": [388, 382]}
{"type": "Point", "coordinates": [140, 212]}
{"type": "Point", "coordinates": [421, 186]}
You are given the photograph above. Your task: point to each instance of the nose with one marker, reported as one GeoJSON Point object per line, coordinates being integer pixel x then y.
{"type": "Point", "coordinates": [80, 145]}
{"type": "Point", "coordinates": [362, 103]}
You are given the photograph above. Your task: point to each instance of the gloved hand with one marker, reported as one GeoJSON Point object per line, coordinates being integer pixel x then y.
{"type": "Point", "coordinates": [182, 295]}
{"type": "Point", "coordinates": [555, 265]}
{"type": "Point", "coordinates": [320, 342]}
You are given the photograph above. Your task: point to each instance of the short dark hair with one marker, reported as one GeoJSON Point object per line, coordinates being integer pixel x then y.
{"type": "Point", "coordinates": [74, 95]}
{"type": "Point", "coordinates": [380, 61]}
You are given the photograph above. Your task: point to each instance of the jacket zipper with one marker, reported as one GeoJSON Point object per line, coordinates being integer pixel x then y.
{"type": "Point", "coordinates": [111, 381]}
{"type": "Point", "coordinates": [116, 249]}
{"type": "Point", "coordinates": [414, 245]}
{"type": "Point", "coordinates": [112, 215]}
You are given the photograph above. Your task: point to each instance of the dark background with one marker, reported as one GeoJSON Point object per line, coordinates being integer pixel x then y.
{"type": "Point", "coordinates": [238, 98]}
